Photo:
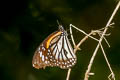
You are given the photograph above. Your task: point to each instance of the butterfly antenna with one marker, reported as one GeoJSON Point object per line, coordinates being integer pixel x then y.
{"type": "Point", "coordinates": [58, 22]}
{"type": "Point", "coordinates": [60, 26]}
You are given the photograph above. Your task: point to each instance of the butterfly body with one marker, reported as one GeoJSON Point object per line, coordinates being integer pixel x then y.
{"type": "Point", "coordinates": [55, 50]}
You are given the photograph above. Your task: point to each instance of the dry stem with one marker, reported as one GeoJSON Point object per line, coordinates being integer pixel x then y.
{"type": "Point", "coordinates": [100, 40]}
{"type": "Point", "coordinates": [88, 73]}
{"type": "Point", "coordinates": [76, 47]}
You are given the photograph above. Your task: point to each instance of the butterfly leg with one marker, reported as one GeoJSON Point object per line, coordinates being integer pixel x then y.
{"type": "Point", "coordinates": [73, 41]}
{"type": "Point", "coordinates": [89, 35]}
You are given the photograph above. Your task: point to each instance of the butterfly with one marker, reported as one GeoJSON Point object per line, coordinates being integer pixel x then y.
{"type": "Point", "coordinates": [55, 50]}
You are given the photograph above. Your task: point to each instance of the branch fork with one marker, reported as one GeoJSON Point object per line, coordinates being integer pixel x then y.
{"type": "Point", "coordinates": [102, 33]}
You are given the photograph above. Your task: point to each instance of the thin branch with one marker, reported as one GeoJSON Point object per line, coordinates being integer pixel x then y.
{"type": "Point", "coordinates": [76, 47]}
{"type": "Point", "coordinates": [68, 74]}
{"type": "Point", "coordinates": [100, 40]}
{"type": "Point", "coordinates": [112, 74]}
{"type": "Point", "coordinates": [105, 40]}
{"type": "Point", "coordinates": [82, 42]}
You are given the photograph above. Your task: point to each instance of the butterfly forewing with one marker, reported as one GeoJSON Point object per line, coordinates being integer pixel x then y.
{"type": "Point", "coordinates": [55, 50]}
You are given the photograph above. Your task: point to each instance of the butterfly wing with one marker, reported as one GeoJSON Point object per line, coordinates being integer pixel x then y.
{"type": "Point", "coordinates": [62, 53]}
{"type": "Point", "coordinates": [56, 50]}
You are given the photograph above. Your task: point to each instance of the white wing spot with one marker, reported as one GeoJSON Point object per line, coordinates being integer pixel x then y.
{"type": "Point", "coordinates": [48, 50]}
{"type": "Point", "coordinates": [72, 63]}
{"type": "Point", "coordinates": [46, 57]}
{"type": "Point", "coordinates": [59, 62]}
{"type": "Point", "coordinates": [40, 53]}
{"type": "Point", "coordinates": [43, 58]}
{"type": "Point", "coordinates": [67, 65]}
{"type": "Point", "coordinates": [51, 56]}
{"type": "Point", "coordinates": [55, 63]}
{"type": "Point", "coordinates": [43, 48]}
{"type": "Point", "coordinates": [48, 53]}
{"type": "Point", "coordinates": [46, 62]}
{"type": "Point", "coordinates": [39, 48]}
{"type": "Point", "coordinates": [54, 60]}
{"type": "Point", "coordinates": [50, 59]}
{"type": "Point", "coordinates": [70, 60]}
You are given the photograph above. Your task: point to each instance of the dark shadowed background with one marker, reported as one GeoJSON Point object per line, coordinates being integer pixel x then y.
{"type": "Point", "coordinates": [24, 24]}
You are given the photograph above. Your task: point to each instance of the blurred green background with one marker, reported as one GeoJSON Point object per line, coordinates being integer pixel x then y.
{"type": "Point", "coordinates": [26, 23]}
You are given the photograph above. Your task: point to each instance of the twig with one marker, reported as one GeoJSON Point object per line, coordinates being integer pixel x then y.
{"type": "Point", "coordinates": [76, 47]}
{"type": "Point", "coordinates": [112, 74]}
{"type": "Point", "coordinates": [100, 40]}
{"type": "Point", "coordinates": [68, 74]}
{"type": "Point", "coordinates": [105, 40]}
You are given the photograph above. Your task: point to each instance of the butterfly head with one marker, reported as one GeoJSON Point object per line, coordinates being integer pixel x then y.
{"type": "Point", "coordinates": [62, 30]}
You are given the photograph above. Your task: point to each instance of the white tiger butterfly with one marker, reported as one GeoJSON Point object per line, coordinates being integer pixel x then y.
{"type": "Point", "coordinates": [55, 50]}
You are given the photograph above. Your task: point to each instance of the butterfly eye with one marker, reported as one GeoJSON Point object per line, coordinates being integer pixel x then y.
{"type": "Point", "coordinates": [55, 50]}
